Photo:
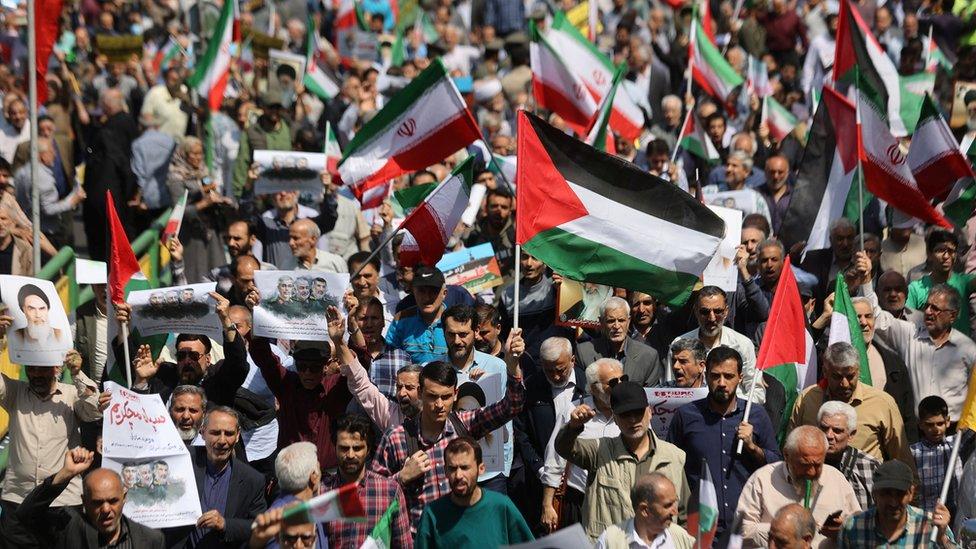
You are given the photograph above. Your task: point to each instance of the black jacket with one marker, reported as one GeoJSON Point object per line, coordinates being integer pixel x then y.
{"type": "Point", "coordinates": [534, 426]}
{"type": "Point", "coordinates": [245, 501]}
{"type": "Point", "coordinates": [66, 527]}
{"type": "Point", "coordinates": [899, 386]}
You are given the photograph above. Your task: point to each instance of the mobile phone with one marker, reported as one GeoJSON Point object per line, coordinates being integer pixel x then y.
{"type": "Point", "coordinates": [833, 516]}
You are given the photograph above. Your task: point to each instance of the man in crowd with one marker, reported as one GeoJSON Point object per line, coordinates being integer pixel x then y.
{"type": "Point", "coordinates": [687, 363]}
{"type": "Point", "coordinates": [613, 462]}
{"type": "Point", "coordinates": [641, 363]}
{"type": "Point", "coordinates": [793, 527]}
{"type": "Point", "coordinates": [366, 327]}
{"type": "Point", "coordinates": [498, 228]}
{"type": "Point", "coordinates": [187, 405]}
{"type": "Point", "coordinates": [942, 248]}
{"type": "Point", "coordinates": [655, 503]}
{"type": "Point", "coordinates": [710, 430]}
{"type": "Point", "coordinates": [299, 479]}
{"type": "Point", "coordinates": [420, 333]}
{"type": "Point", "coordinates": [838, 420]}
{"type": "Point", "coordinates": [303, 236]}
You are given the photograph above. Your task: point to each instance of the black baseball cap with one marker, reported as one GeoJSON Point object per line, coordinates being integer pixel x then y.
{"type": "Point", "coordinates": [427, 277]}
{"type": "Point", "coordinates": [627, 396]}
{"type": "Point", "coordinates": [311, 351]}
{"type": "Point", "coordinates": [893, 474]}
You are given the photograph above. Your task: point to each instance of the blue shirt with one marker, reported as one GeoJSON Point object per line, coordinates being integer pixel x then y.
{"type": "Point", "coordinates": [150, 158]}
{"type": "Point", "coordinates": [423, 342]}
{"type": "Point", "coordinates": [214, 496]}
{"type": "Point", "coordinates": [704, 434]}
{"type": "Point", "coordinates": [287, 499]}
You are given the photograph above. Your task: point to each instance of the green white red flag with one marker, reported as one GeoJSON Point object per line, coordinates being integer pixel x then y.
{"type": "Point", "coordinates": [213, 70]}
{"type": "Point", "coordinates": [175, 220]}
{"type": "Point", "coordinates": [333, 153]}
{"type": "Point", "coordinates": [382, 534]}
{"type": "Point", "coordinates": [934, 156]}
{"type": "Point", "coordinates": [556, 88]}
{"type": "Point", "coordinates": [431, 224]}
{"type": "Point", "coordinates": [594, 217]}
{"type": "Point", "coordinates": [778, 119]}
{"type": "Point", "coordinates": [703, 521]}
{"type": "Point", "coordinates": [846, 328]}
{"type": "Point", "coordinates": [342, 504]}
{"type": "Point", "coordinates": [709, 68]}
{"type": "Point", "coordinates": [315, 80]}
{"type": "Point", "coordinates": [598, 134]}
{"type": "Point", "coordinates": [959, 205]}
{"type": "Point", "coordinates": [424, 123]}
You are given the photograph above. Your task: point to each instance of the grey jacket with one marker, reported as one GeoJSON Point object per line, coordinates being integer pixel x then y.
{"type": "Point", "coordinates": [641, 362]}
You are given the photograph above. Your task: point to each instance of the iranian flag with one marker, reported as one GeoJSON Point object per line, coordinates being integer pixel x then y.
{"type": "Point", "coordinates": [596, 70]}
{"type": "Point", "coordinates": [703, 521]}
{"type": "Point", "coordinates": [694, 140]}
{"type": "Point", "coordinates": [213, 70]}
{"type": "Point", "coordinates": [959, 205]}
{"type": "Point", "coordinates": [342, 504]}
{"type": "Point", "coordinates": [787, 352]}
{"type": "Point", "coordinates": [845, 328]}
{"type": "Point", "coordinates": [858, 52]}
{"type": "Point", "coordinates": [757, 77]}
{"type": "Point", "coordinates": [779, 120]}
{"type": "Point", "coordinates": [431, 224]}
{"type": "Point", "coordinates": [934, 156]}
{"type": "Point", "coordinates": [175, 220]}
{"type": "Point", "coordinates": [886, 171]}
{"type": "Point", "coordinates": [405, 200]}
{"type": "Point", "coordinates": [333, 153]}
{"type": "Point", "coordinates": [596, 218]}
{"type": "Point", "coordinates": [710, 70]}
{"type": "Point", "coordinates": [165, 54]}
{"type": "Point", "coordinates": [315, 79]}
{"type": "Point", "coordinates": [827, 182]}
{"type": "Point", "coordinates": [374, 196]}
{"type": "Point", "coordinates": [421, 125]}
{"type": "Point", "coordinates": [345, 24]}
{"type": "Point", "coordinates": [558, 89]}
{"type": "Point", "coordinates": [382, 533]}
{"type": "Point", "coordinates": [598, 135]}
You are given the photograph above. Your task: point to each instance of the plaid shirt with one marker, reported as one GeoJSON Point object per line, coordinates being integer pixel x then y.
{"type": "Point", "coordinates": [377, 493]}
{"type": "Point", "coordinates": [858, 468]}
{"type": "Point", "coordinates": [931, 461]}
{"type": "Point", "coordinates": [860, 531]}
{"type": "Point", "coordinates": [394, 450]}
{"type": "Point", "coordinates": [383, 369]}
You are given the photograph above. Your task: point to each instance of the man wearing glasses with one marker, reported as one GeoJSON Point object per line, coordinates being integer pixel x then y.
{"type": "Point", "coordinates": [942, 248]}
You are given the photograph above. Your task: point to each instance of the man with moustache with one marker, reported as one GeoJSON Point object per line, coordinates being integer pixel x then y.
{"type": "Point", "coordinates": [655, 503]}
{"type": "Point", "coordinates": [893, 296]}
{"type": "Point", "coordinates": [641, 363]}
{"type": "Point", "coordinates": [384, 362]}
{"type": "Point", "coordinates": [186, 406]}
{"type": "Point", "coordinates": [710, 429]}
{"type": "Point", "coordinates": [378, 407]}
{"type": "Point", "coordinates": [38, 334]}
{"type": "Point", "coordinates": [687, 364]}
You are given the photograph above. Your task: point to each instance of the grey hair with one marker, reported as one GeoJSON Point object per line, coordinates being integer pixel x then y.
{"type": "Point", "coordinates": [804, 434]}
{"type": "Point", "coordinates": [860, 299]}
{"type": "Point", "coordinates": [773, 242]}
{"type": "Point", "coordinates": [672, 99]}
{"type": "Point", "coordinates": [646, 488]}
{"type": "Point", "coordinates": [44, 144]}
{"type": "Point", "coordinates": [612, 304]}
{"type": "Point", "coordinates": [753, 146]}
{"type": "Point", "coordinates": [553, 348]}
{"type": "Point", "coordinates": [593, 370]}
{"type": "Point", "coordinates": [692, 344]}
{"type": "Point", "coordinates": [295, 464]}
{"type": "Point", "coordinates": [842, 355]}
{"type": "Point", "coordinates": [841, 223]}
{"type": "Point", "coordinates": [950, 293]}
{"type": "Point", "coordinates": [190, 142]}
{"type": "Point", "coordinates": [221, 410]}
{"type": "Point", "coordinates": [743, 157]}
{"type": "Point", "coordinates": [833, 408]}
{"type": "Point", "coordinates": [181, 390]}
{"type": "Point", "coordinates": [410, 369]}
{"type": "Point", "coordinates": [111, 97]}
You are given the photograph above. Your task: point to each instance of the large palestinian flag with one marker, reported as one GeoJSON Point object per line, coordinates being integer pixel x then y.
{"type": "Point", "coordinates": [424, 123]}
{"type": "Point", "coordinates": [593, 217]}
{"type": "Point", "coordinates": [826, 183]}
{"type": "Point", "coordinates": [859, 55]}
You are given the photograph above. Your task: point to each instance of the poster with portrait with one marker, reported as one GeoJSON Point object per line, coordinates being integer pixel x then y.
{"type": "Point", "coordinates": [176, 309]}
{"type": "Point", "coordinates": [475, 268]}
{"type": "Point", "coordinates": [664, 401]}
{"type": "Point", "coordinates": [39, 334]}
{"type": "Point", "coordinates": [141, 443]}
{"type": "Point", "coordinates": [294, 303]}
{"type": "Point", "coordinates": [288, 171]}
{"type": "Point", "coordinates": [959, 114]}
{"type": "Point", "coordinates": [473, 395]}
{"type": "Point", "coordinates": [284, 69]}
{"type": "Point", "coordinates": [721, 270]}
{"type": "Point", "coordinates": [747, 201]}
{"type": "Point", "coordinates": [579, 303]}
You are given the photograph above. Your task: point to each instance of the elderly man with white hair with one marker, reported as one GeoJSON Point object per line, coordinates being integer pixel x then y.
{"type": "Point", "coordinates": [299, 478]}
{"type": "Point", "coordinates": [802, 477]}
{"type": "Point", "coordinates": [556, 471]}
{"type": "Point", "coordinates": [641, 362]}
{"type": "Point", "coordinates": [838, 420]}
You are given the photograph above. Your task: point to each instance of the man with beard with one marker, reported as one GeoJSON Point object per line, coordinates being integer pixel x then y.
{"type": "Point", "coordinates": [802, 471]}
{"type": "Point", "coordinates": [942, 249]}
{"type": "Point", "coordinates": [303, 237]}
{"type": "Point", "coordinates": [880, 430]}
{"type": "Point", "coordinates": [240, 240]}
{"type": "Point", "coordinates": [614, 463]}
{"type": "Point", "coordinates": [711, 428]}
{"type": "Point", "coordinates": [537, 305]}
{"type": "Point", "coordinates": [384, 363]}
{"type": "Point", "coordinates": [38, 334]}
{"type": "Point", "coordinates": [355, 444]}
{"type": "Point", "coordinates": [893, 292]}
{"type": "Point", "coordinates": [498, 228]}
{"type": "Point", "coordinates": [193, 365]}
{"type": "Point", "coordinates": [486, 336]}
{"type": "Point", "coordinates": [186, 406]}
{"type": "Point", "coordinates": [273, 228]}
{"type": "Point", "coordinates": [469, 513]}
{"type": "Point", "coordinates": [641, 363]}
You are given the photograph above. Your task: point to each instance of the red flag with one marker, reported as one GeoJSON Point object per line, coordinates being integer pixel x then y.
{"type": "Point", "coordinates": [122, 263]}
{"type": "Point", "coordinates": [48, 14]}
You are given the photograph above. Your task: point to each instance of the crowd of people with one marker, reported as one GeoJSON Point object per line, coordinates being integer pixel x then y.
{"type": "Point", "coordinates": [388, 402]}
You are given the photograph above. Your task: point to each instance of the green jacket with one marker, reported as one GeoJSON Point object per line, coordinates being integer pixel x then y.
{"type": "Point", "coordinates": [613, 471]}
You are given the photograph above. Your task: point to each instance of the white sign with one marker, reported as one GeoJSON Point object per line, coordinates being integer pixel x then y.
{"type": "Point", "coordinates": [177, 309]}
{"type": "Point", "coordinates": [90, 272]}
{"type": "Point", "coordinates": [570, 537]}
{"type": "Point", "coordinates": [493, 444]}
{"type": "Point", "coordinates": [294, 303]}
{"type": "Point", "coordinates": [141, 443]}
{"type": "Point", "coordinates": [40, 334]}
{"type": "Point", "coordinates": [665, 401]}
{"type": "Point", "coordinates": [747, 201]}
{"type": "Point", "coordinates": [722, 271]}
{"type": "Point", "coordinates": [289, 171]}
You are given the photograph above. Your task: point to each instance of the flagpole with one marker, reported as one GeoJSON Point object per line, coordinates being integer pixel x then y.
{"type": "Point", "coordinates": [860, 170]}
{"type": "Point", "coordinates": [752, 392]}
{"type": "Point", "coordinates": [518, 276]}
{"type": "Point", "coordinates": [125, 349]}
{"type": "Point", "coordinates": [928, 51]}
{"type": "Point", "coordinates": [32, 109]}
{"type": "Point", "coordinates": [501, 172]}
{"type": "Point", "coordinates": [377, 250]}
{"type": "Point", "coordinates": [948, 477]}
{"type": "Point", "coordinates": [698, 532]}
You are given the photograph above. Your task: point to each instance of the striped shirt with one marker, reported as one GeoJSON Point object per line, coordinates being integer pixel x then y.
{"type": "Point", "coordinates": [860, 530]}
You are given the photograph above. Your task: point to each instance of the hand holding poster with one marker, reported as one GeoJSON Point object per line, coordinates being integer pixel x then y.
{"type": "Point", "coordinates": [187, 309]}
{"type": "Point", "coordinates": [293, 303]}
{"type": "Point", "coordinates": [39, 334]}
{"type": "Point", "coordinates": [664, 401]}
{"type": "Point", "coordinates": [289, 171]}
{"type": "Point", "coordinates": [141, 443]}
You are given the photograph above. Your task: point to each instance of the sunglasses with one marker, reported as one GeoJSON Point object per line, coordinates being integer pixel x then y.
{"type": "Point", "coordinates": [306, 539]}
{"type": "Point", "coordinates": [192, 355]}
{"type": "Point", "coordinates": [613, 382]}
{"type": "Point", "coordinates": [309, 367]}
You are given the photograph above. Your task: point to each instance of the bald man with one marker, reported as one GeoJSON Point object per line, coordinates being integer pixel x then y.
{"type": "Point", "coordinates": [655, 503]}
{"type": "Point", "coordinates": [303, 236]}
{"type": "Point", "coordinates": [793, 527]}
{"type": "Point", "coordinates": [101, 525]}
